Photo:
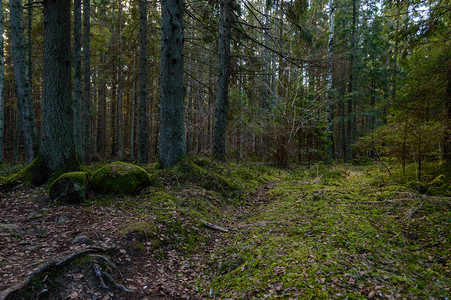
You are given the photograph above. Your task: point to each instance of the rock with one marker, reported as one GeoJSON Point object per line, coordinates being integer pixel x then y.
{"type": "Point", "coordinates": [70, 188]}
{"type": "Point", "coordinates": [119, 178]}
{"type": "Point", "coordinates": [61, 219]}
{"type": "Point", "coordinates": [9, 227]}
{"type": "Point", "coordinates": [371, 295]}
{"type": "Point", "coordinates": [81, 239]}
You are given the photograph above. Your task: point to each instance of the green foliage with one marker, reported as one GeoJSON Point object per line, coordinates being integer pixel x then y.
{"type": "Point", "coordinates": [119, 178]}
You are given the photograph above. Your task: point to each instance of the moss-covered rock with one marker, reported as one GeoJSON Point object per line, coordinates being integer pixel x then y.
{"type": "Point", "coordinates": [119, 178]}
{"type": "Point", "coordinates": [70, 188]}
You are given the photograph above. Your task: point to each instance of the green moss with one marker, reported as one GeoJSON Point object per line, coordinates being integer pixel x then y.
{"type": "Point", "coordinates": [315, 241]}
{"type": "Point", "coordinates": [119, 178]}
{"type": "Point", "coordinates": [196, 171]}
{"type": "Point", "coordinates": [140, 227]}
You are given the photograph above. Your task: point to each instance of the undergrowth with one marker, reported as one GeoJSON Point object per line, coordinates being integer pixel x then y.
{"type": "Point", "coordinates": [180, 197]}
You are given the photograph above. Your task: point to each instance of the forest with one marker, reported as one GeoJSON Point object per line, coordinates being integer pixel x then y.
{"type": "Point", "coordinates": [225, 149]}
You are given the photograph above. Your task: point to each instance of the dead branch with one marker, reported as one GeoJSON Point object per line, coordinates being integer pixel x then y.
{"type": "Point", "coordinates": [214, 227]}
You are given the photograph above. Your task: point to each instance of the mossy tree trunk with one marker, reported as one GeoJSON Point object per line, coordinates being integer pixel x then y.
{"type": "Point", "coordinates": [58, 147]}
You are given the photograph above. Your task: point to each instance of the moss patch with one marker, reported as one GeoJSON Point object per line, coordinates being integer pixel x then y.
{"type": "Point", "coordinates": [338, 233]}
{"type": "Point", "coordinates": [119, 178]}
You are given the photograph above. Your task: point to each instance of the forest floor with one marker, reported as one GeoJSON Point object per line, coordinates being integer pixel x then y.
{"type": "Point", "coordinates": [320, 233]}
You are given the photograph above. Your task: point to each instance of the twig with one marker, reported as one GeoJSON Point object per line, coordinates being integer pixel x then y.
{"type": "Point", "coordinates": [214, 227]}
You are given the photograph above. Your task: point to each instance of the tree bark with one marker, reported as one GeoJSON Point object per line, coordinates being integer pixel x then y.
{"type": "Point", "coordinates": [2, 87]}
{"type": "Point", "coordinates": [87, 82]}
{"type": "Point", "coordinates": [119, 85]}
{"type": "Point", "coordinates": [330, 98]}
{"type": "Point", "coordinates": [101, 127]}
{"type": "Point", "coordinates": [58, 147]}
{"type": "Point", "coordinates": [77, 80]}
{"type": "Point", "coordinates": [172, 127]}
{"type": "Point", "coordinates": [143, 137]}
{"type": "Point", "coordinates": [31, 144]}
{"type": "Point", "coordinates": [222, 92]}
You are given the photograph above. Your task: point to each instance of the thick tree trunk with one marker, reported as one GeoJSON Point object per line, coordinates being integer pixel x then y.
{"type": "Point", "coordinates": [31, 144]}
{"type": "Point", "coordinates": [172, 127]}
{"type": "Point", "coordinates": [58, 147]}
{"type": "Point", "coordinates": [143, 137]}
{"type": "Point", "coordinates": [87, 82]}
{"type": "Point", "coordinates": [2, 86]}
{"type": "Point", "coordinates": [77, 79]}
{"type": "Point", "coordinates": [222, 91]}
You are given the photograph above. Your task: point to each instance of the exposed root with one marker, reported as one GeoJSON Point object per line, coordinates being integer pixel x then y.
{"type": "Point", "coordinates": [60, 263]}
{"type": "Point", "coordinates": [98, 273]}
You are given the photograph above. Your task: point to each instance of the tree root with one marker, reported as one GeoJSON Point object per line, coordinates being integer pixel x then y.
{"type": "Point", "coordinates": [4, 295]}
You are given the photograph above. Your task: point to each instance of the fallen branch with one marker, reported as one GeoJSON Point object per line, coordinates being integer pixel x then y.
{"type": "Point", "coordinates": [47, 266]}
{"type": "Point", "coordinates": [214, 227]}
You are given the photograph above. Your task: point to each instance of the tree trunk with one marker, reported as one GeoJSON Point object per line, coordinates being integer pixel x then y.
{"type": "Point", "coordinates": [58, 147]}
{"type": "Point", "coordinates": [447, 115]}
{"type": "Point", "coordinates": [132, 112]}
{"type": "Point", "coordinates": [351, 86]}
{"type": "Point", "coordinates": [222, 92]}
{"type": "Point", "coordinates": [101, 127]}
{"type": "Point", "coordinates": [172, 127]}
{"type": "Point", "coordinates": [119, 85]}
{"type": "Point", "coordinates": [77, 79]}
{"type": "Point", "coordinates": [31, 144]}
{"type": "Point", "coordinates": [17, 136]}
{"type": "Point", "coordinates": [2, 86]}
{"type": "Point", "coordinates": [330, 98]}
{"type": "Point", "coordinates": [87, 82]}
{"type": "Point", "coordinates": [143, 137]}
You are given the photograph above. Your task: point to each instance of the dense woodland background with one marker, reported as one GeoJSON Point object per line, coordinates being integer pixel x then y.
{"type": "Point", "coordinates": [309, 80]}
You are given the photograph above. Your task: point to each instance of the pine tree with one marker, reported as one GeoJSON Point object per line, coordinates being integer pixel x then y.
{"type": "Point", "coordinates": [222, 92]}
{"type": "Point", "coordinates": [58, 148]}
{"type": "Point", "coordinates": [172, 127]}
{"type": "Point", "coordinates": [31, 142]}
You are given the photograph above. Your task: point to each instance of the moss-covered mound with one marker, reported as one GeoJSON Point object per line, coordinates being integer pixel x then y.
{"type": "Point", "coordinates": [119, 178]}
{"type": "Point", "coordinates": [198, 171]}
{"type": "Point", "coordinates": [70, 188]}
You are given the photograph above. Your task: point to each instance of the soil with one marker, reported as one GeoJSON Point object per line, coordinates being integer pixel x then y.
{"type": "Point", "coordinates": [37, 232]}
